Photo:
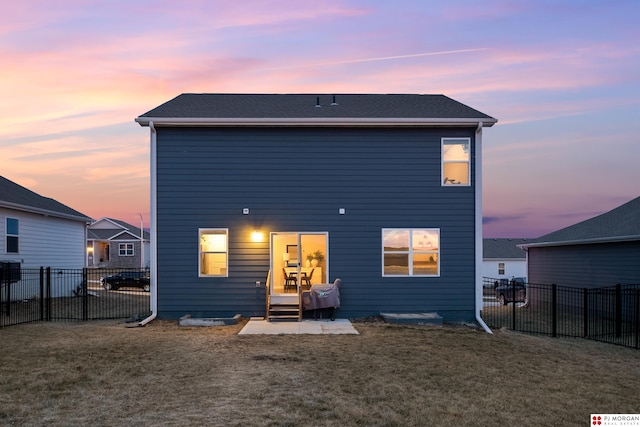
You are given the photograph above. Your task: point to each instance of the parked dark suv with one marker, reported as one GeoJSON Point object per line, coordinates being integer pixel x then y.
{"type": "Point", "coordinates": [505, 291]}
{"type": "Point", "coordinates": [127, 279]}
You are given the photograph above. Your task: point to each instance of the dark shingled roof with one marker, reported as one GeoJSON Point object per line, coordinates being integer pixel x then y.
{"type": "Point", "coordinates": [15, 196]}
{"type": "Point", "coordinates": [111, 233]}
{"type": "Point", "coordinates": [303, 106]}
{"type": "Point", "coordinates": [503, 248]}
{"type": "Point", "coordinates": [621, 223]}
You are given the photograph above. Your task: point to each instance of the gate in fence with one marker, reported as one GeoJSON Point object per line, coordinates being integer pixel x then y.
{"type": "Point", "coordinates": [49, 294]}
{"type": "Point", "coordinates": [609, 314]}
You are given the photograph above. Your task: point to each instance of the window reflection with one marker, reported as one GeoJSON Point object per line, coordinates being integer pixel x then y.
{"type": "Point", "coordinates": [456, 161]}
{"type": "Point", "coordinates": [411, 252]}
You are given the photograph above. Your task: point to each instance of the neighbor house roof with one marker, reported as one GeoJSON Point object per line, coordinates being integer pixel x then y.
{"type": "Point", "coordinates": [15, 196]}
{"type": "Point", "coordinates": [310, 109]}
{"type": "Point", "coordinates": [119, 228]}
{"type": "Point", "coordinates": [503, 248]}
{"type": "Point", "coordinates": [619, 224]}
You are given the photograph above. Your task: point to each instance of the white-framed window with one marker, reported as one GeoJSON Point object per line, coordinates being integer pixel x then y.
{"type": "Point", "coordinates": [214, 252]}
{"type": "Point", "coordinates": [501, 268]}
{"type": "Point", "coordinates": [125, 249]}
{"type": "Point", "coordinates": [456, 161]}
{"type": "Point", "coordinates": [13, 236]}
{"type": "Point", "coordinates": [410, 252]}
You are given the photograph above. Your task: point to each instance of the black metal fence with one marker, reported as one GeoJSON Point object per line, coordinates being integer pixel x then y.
{"type": "Point", "coordinates": [50, 294]}
{"type": "Point", "coordinates": [609, 314]}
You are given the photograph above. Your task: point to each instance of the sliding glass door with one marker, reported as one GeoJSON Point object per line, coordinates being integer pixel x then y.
{"type": "Point", "coordinates": [298, 260]}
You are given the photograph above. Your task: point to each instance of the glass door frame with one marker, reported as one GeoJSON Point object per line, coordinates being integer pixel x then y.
{"type": "Point", "coordinates": [277, 260]}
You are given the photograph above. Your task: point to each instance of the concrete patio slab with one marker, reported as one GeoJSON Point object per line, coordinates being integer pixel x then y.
{"type": "Point", "coordinates": [413, 318]}
{"type": "Point", "coordinates": [314, 327]}
{"type": "Point", "coordinates": [187, 320]}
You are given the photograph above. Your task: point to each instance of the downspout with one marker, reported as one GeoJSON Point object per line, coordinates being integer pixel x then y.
{"type": "Point", "coordinates": [479, 299]}
{"type": "Point", "coordinates": [153, 268]}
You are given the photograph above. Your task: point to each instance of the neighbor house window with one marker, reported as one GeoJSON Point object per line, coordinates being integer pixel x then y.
{"type": "Point", "coordinates": [456, 161]}
{"type": "Point", "coordinates": [214, 251]}
{"type": "Point", "coordinates": [411, 252]}
{"type": "Point", "coordinates": [125, 249]}
{"type": "Point", "coordinates": [13, 232]}
{"type": "Point", "coordinates": [501, 268]}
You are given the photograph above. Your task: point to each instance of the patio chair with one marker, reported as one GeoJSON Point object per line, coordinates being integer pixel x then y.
{"type": "Point", "coordinates": [290, 281]}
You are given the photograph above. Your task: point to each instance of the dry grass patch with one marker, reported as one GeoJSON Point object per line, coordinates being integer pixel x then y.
{"type": "Point", "coordinates": [101, 373]}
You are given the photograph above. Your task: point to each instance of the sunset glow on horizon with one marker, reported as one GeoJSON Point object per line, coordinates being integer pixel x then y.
{"type": "Point", "coordinates": [561, 77]}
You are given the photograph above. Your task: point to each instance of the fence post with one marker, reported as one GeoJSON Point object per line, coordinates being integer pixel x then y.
{"type": "Point", "coordinates": [585, 309]}
{"type": "Point", "coordinates": [554, 311]}
{"type": "Point", "coordinates": [637, 318]}
{"type": "Point", "coordinates": [513, 302]}
{"type": "Point", "coordinates": [618, 310]}
{"type": "Point", "coordinates": [42, 298]}
{"type": "Point", "coordinates": [7, 283]}
{"type": "Point", "coordinates": [1, 282]}
{"type": "Point", "coordinates": [48, 292]}
{"type": "Point", "coordinates": [8, 291]}
{"type": "Point", "coordinates": [85, 295]}
{"type": "Point", "coordinates": [1, 304]}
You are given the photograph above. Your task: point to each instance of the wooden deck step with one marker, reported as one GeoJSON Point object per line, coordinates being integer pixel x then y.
{"type": "Point", "coordinates": [284, 312]}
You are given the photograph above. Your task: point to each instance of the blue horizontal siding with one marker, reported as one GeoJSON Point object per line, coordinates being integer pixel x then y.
{"type": "Point", "coordinates": [295, 180]}
{"type": "Point", "coordinates": [585, 266]}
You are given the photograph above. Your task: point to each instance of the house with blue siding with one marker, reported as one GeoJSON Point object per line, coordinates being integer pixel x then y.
{"type": "Point", "coordinates": [256, 197]}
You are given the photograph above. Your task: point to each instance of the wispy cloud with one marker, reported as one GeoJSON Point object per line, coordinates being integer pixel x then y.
{"type": "Point", "coordinates": [500, 218]}
{"type": "Point", "coordinates": [49, 156]}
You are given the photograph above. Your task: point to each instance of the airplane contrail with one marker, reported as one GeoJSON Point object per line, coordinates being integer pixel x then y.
{"type": "Point", "coordinates": [382, 58]}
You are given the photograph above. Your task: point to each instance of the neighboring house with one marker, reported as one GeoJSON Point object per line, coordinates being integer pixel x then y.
{"type": "Point", "coordinates": [502, 258]}
{"type": "Point", "coordinates": [39, 232]}
{"type": "Point", "coordinates": [601, 251]}
{"type": "Point", "coordinates": [115, 244]}
{"type": "Point", "coordinates": [381, 191]}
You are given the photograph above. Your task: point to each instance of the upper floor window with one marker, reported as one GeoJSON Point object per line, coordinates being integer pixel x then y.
{"type": "Point", "coordinates": [411, 252]}
{"type": "Point", "coordinates": [13, 233]}
{"type": "Point", "coordinates": [214, 248]}
{"type": "Point", "coordinates": [125, 249]}
{"type": "Point", "coordinates": [456, 161]}
{"type": "Point", "coordinates": [501, 268]}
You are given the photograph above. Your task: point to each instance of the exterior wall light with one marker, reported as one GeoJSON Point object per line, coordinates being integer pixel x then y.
{"type": "Point", "coordinates": [257, 236]}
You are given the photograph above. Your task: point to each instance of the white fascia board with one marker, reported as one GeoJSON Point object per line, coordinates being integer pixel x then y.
{"type": "Point", "coordinates": [581, 242]}
{"type": "Point", "coordinates": [184, 121]}
{"type": "Point", "coordinates": [123, 232]}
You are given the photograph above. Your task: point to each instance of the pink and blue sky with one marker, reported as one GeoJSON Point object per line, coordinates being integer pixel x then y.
{"type": "Point", "coordinates": [561, 76]}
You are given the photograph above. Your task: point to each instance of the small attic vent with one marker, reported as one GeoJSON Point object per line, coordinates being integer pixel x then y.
{"type": "Point", "coordinates": [334, 101]}
{"type": "Point", "coordinates": [318, 102]}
